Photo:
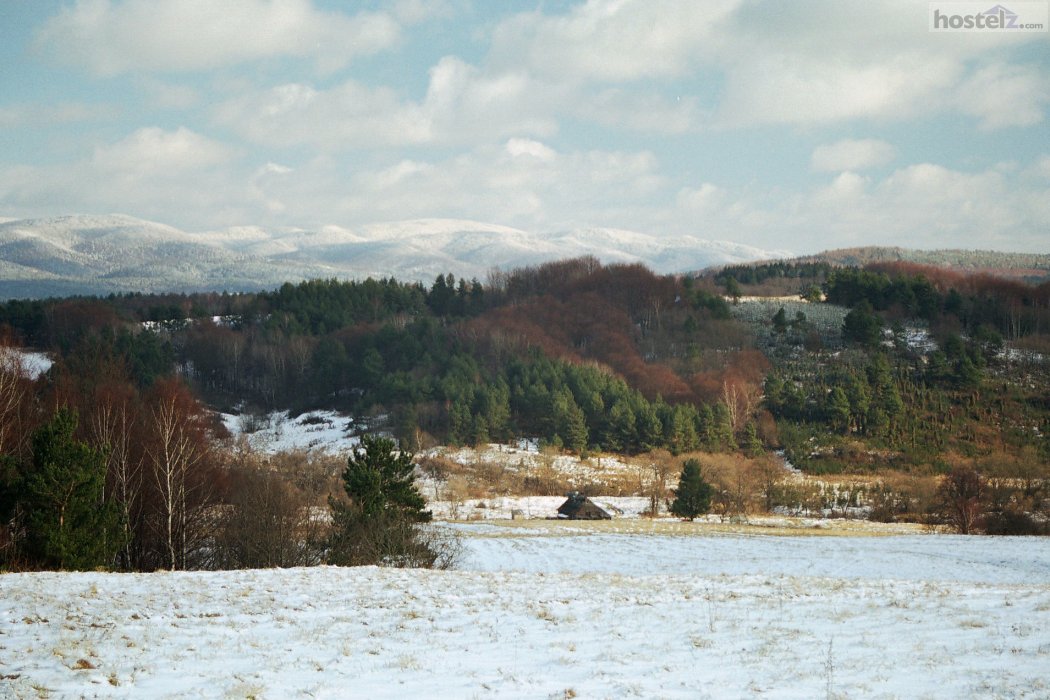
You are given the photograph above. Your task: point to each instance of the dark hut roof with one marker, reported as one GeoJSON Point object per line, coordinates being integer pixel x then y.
{"type": "Point", "coordinates": [579, 507]}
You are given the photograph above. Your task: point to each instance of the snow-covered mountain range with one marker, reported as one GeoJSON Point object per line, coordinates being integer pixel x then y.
{"type": "Point", "coordinates": [115, 253]}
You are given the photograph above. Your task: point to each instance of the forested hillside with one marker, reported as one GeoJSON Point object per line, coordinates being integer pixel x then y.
{"type": "Point", "coordinates": [1031, 268]}
{"type": "Point", "coordinates": [582, 355]}
{"type": "Point", "coordinates": [893, 366]}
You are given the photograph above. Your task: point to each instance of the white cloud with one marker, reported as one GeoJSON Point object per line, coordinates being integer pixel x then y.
{"type": "Point", "coordinates": [176, 176]}
{"type": "Point", "coordinates": [1002, 95]}
{"type": "Point", "coordinates": [811, 90]}
{"type": "Point", "coordinates": [850, 154]}
{"type": "Point", "coordinates": [520, 182]}
{"type": "Point", "coordinates": [153, 152]}
{"type": "Point", "coordinates": [846, 187]}
{"type": "Point", "coordinates": [467, 104]}
{"type": "Point", "coordinates": [588, 64]}
{"type": "Point", "coordinates": [20, 115]}
{"type": "Point", "coordinates": [542, 129]}
{"type": "Point", "coordinates": [415, 11]}
{"type": "Point", "coordinates": [462, 105]}
{"type": "Point", "coordinates": [184, 178]}
{"type": "Point", "coordinates": [611, 40]}
{"type": "Point", "coordinates": [648, 112]}
{"type": "Point", "coordinates": [1041, 168]}
{"type": "Point", "coordinates": [531, 149]}
{"type": "Point", "coordinates": [816, 62]}
{"type": "Point", "coordinates": [347, 116]}
{"type": "Point", "coordinates": [166, 95]}
{"type": "Point", "coordinates": [922, 206]}
{"type": "Point", "coordinates": [930, 206]}
{"type": "Point", "coordinates": [703, 200]}
{"type": "Point", "coordinates": [825, 61]}
{"type": "Point", "coordinates": [135, 36]}
{"type": "Point", "coordinates": [275, 169]}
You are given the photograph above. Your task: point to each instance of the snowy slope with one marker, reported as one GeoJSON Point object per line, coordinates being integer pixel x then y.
{"type": "Point", "coordinates": [102, 254]}
{"type": "Point", "coordinates": [322, 431]}
{"type": "Point", "coordinates": [554, 617]}
{"type": "Point", "coordinates": [24, 362]}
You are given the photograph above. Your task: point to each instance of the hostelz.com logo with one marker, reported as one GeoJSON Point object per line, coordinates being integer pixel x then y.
{"type": "Point", "coordinates": [978, 17]}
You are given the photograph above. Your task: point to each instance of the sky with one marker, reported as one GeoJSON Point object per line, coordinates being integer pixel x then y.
{"type": "Point", "coordinates": [802, 125]}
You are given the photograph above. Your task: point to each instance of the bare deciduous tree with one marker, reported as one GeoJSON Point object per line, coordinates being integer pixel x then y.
{"type": "Point", "coordinates": [177, 451]}
{"type": "Point", "coordinates": [961, 499]}
{"type": "Point", "coordinates": [14, 390]}
{"type": "Point", "coordinates": [268, 522]}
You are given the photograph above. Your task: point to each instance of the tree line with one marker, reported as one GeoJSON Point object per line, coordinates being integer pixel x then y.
{"type": "Point", "coordinates": [99, 470]}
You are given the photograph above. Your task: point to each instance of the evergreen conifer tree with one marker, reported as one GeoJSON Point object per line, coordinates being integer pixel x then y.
{"type": "Point", "coordinates": [69, 525]}
{"type": "Point", "coordinates": [380, 525]}
{"type": "Point", "coordinates": [380, 480]}
{"type": "Point", "coordinates": [693, 495]}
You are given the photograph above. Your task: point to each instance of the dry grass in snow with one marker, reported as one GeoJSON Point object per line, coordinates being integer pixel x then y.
{"type": "Point", "coordinates": [588, 614]}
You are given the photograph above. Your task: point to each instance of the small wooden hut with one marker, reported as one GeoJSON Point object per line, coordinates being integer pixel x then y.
{"type": "Point", "coordinates": [579, 507]}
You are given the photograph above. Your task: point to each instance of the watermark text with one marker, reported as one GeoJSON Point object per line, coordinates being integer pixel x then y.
{"type": "Point", "coordinates": [988, 16]}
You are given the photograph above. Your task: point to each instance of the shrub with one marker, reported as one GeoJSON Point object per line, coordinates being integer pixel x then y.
{"type": "Point", "coordinates": [268, 523]}
{"type": "Point", "coordinates": [1013, 522]}
{"type": "Point", "coordinates": [961, 499]}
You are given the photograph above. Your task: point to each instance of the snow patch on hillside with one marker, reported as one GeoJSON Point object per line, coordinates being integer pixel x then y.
{"type": "Point", "coordinates": [26, 362]}
{"type": "Point", "coordinates": [321, 431]}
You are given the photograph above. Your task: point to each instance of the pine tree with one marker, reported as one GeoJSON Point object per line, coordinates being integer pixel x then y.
{"type": "Point", "coordinates": [733, 289]}
{"type": "Point", "coordinates": [480, 432]}
{"type": "Point", "coordinates": [459, 423]}
{"type": "Point", "coordinates": [381, 480]}
{"type": "Point", "coordinates": [780, 323]}
{"type": "Point", "coordinates": [621, 433]}
{"type": "Point", "coordinates": [838, 410]}
{"type": "Point", "coordinates": [859, 395]}
{"type": "Point", "coordinates": [693, 495]}
{"type": "Point", "coordinates": [570, 421]}
{"type": "Point", "coordinates": [380, 525]}
{"type": "Point", "coordinates": [862, 326]}
{"type": "Point", "coordinates": [69, 524]}
{"type": "Point", "coordinates": [752, 443]}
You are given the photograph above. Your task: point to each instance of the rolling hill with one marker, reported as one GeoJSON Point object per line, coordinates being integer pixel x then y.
{"type": "Point", "coordinates": [1029, 267]}
{"type": "Point", "coordinates": [115, 253]}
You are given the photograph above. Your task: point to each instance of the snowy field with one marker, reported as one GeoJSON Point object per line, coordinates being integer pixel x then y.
{"type": "Point", "coordinates": [555, 612]}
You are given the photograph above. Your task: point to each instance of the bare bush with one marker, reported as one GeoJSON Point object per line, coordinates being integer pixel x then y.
{"type": "Point", "coordinates": [733, 484]}
{"type": "Point", "coordinates": [268, 522]}
{"type": "Point", "coordinates": [961, 497]}
{"type": "Point", "coordinates": [389, 540]}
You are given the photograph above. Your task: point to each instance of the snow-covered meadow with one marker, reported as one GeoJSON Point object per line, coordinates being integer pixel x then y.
{"type": "Point", "coordinates": [557, 610]}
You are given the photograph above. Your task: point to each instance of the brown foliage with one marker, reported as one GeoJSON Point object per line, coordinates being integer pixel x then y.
{"type": "Point", "coordinates": [961, 499]}
{"type": "Point", "coordinates": [269, 522]}
{"type": "Point", "coordinates": [621, 316]}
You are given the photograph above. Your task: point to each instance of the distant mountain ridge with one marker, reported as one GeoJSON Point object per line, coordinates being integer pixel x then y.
{"type": "Point", "coordinates": [1033, 267]}
{"type": "Point", "coordinates": [89, 254]}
